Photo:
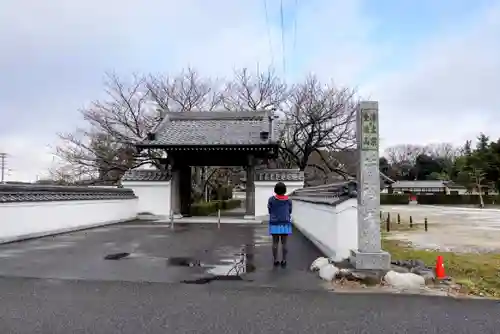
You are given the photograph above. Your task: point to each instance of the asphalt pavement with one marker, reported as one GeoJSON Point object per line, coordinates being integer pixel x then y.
{"type": "Point", "coordinates": [65, 306]}
{"type": "Point", "coordinates": [63, 284]}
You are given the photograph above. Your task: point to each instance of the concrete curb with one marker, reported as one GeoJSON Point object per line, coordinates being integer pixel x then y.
{"type": "Point", "coordinates": [212, 221]}
{"type": "Point", "coordinates": [415, 293]}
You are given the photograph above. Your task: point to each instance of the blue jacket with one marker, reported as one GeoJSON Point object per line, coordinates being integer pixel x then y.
{"type": "Point", "coordinates": [280, 210]}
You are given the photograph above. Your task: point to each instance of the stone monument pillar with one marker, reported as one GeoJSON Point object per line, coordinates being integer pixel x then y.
{"type": "Point", "coordinates": [369, 254]}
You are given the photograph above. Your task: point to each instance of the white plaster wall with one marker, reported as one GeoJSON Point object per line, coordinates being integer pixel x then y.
{"type": "Point", "coordinates": [333, 229]}
{"type": "Point", "coordinates": [347, 228]}
{"type": "Point", "coordinates": [153, 196]}
{"type": "Point", "coordinates": [27, 220]}
{"type": "Point", "coordinates": [265, 189]}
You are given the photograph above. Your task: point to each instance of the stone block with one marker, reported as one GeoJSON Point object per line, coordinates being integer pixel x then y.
{"type": "Point", "coordinates": [373, 261]}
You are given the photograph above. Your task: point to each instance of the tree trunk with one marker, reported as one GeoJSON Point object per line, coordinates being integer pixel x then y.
{"type": "Point", "coordinates": [481, 201]}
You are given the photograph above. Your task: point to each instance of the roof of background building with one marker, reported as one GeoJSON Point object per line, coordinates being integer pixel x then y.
{"type": "Point", "coordinates": [419, 184]}
{"type": "Point", "coordinates": [212, 128]}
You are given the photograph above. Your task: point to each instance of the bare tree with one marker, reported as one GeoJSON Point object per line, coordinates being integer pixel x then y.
{"type": "Point", "coordinates": [113, 126]}
{"type": "Point", "coordinates": [187, 91]}
{"type": "Point", "coordinates": [478, 177]}
{"type": "Point", "coordinates": [445, 151]}
{"type": "Point", "coordinates": [62, 175]}
{"type": "Point", "coordinates": [404, 154]}
{"type": "Point", "coordinates": [106, 146]}
{"type": "Point", "coordinates": [319, 118]}
{"type": "Point", "coordinates": [254, 91]}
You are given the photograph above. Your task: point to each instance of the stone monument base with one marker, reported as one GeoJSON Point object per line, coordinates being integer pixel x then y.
{"type": "Point", "coordinates": [375, 261]}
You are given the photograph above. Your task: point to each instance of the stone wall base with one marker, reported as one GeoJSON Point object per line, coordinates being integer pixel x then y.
{"type": "Point", "coordinates": [374, 261]}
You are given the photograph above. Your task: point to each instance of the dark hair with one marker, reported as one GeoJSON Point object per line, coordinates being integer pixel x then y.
{"type": "Point", "coordinates": [280, 188]}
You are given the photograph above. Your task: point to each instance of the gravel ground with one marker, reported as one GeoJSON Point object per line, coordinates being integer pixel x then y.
{"type": "Point", "coordinates": [454, 229]}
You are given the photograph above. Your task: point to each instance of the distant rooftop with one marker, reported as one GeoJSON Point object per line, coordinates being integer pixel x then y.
{"type": "Point", "coordinates": [212, 128]}
{"type": "Point", "coordinates": [419, 184]}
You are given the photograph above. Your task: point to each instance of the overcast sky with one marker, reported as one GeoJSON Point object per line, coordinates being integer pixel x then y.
{"type": "Point", "coordinates": [434, 66]}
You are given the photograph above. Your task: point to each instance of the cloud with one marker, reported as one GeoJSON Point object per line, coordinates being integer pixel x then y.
{"type": "Point", "coordinates": [59, 50]}
{"type": "Point", "coordinates": [441, 89]}
{"type": "Point", "coordinates": [446, 91]}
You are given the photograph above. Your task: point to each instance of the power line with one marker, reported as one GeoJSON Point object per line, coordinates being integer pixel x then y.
{"type": "Point", "coordinates": [295, 26]}
{"type": "Point", "coordinates": [268, 28]}
{"type": "Point", "coordinates": [282, 17]}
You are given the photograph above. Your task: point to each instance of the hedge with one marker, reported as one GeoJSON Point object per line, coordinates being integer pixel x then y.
{"type": "Point", "coordinates": [394, 199]}
{"type": "Point", "coordinates": [439, 199]}
{"type": "Point", "coordinates": [207, 208]}
{"type": "Point", "coordinates": [442, 199]}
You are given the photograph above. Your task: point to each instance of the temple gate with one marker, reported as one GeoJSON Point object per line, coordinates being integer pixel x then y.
{"type": "Point", "coordinates": [217, 139]}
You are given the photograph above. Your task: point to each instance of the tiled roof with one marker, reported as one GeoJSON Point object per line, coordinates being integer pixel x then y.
{"type": "Point", "coordinates": [419, 184]}
{"type": "Point", "coordinates": [212, 128]}
{"type": "Point", "coordinates": [277, 175]}
{"type": "Point", "coordinates": [41, 193]}
{"type": "Point", "coordinates": [453, 185]}
{"type": "Point", "coordinates": [145, 175]}
{"type": "Point", "coordinates": [330, 194]}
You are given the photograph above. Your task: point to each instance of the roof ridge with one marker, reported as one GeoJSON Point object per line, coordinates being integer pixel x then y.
{"type": "Point", "coordinates": [209, 116]}
{"type": "Point", "coordinates": [215, 115]}
{"type": "Point", "coordinates": [214, 128]}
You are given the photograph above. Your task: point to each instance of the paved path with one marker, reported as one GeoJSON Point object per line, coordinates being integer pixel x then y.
{"type": "Point", "coordinates": [62, 284]}
{"type": "Point", "coordinates": [80, 255]}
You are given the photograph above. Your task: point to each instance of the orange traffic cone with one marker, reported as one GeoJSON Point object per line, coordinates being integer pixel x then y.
{"type": "Point", "coordinates": [440, 273]}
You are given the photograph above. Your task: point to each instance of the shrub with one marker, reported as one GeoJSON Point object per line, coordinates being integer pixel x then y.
{"type": "Point", "coordinates": [442, 199]}
{"type": "Point", "coordinates": [394, 199]}
{"type": "Point", "coordinates": [203, 208]}
{"type": "Point", "coordinates": [208, 208]}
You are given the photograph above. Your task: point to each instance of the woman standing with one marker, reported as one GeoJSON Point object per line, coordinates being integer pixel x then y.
{"type": "Point", "coordinates": [280, 222]}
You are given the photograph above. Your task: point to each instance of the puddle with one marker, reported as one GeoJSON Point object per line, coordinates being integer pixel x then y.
{"type": "Point", "coordinates": [33, 247]}
{"type": "Point", "coordinates": [227, 267]}
{"type": "Point", "coordinates": [241, 263]}
{"type": "Point", "coordinates": [206, 280]}
{"type": "Point", "coordinates": [158, 236]}
{"type": "Point", "coordinates": [262, 240]}
{"type": "Point", "coordinates": [183, 262]}
{"type": "Point", "coordinates": [116, 256]}
{"type": "Point", "coordinates": [11, 252]}
{"type": "Point", "coordinates": [231, 262]}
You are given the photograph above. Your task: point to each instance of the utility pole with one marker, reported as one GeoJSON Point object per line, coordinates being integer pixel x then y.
{"type": "Point", "coordinates": [3, 156]}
